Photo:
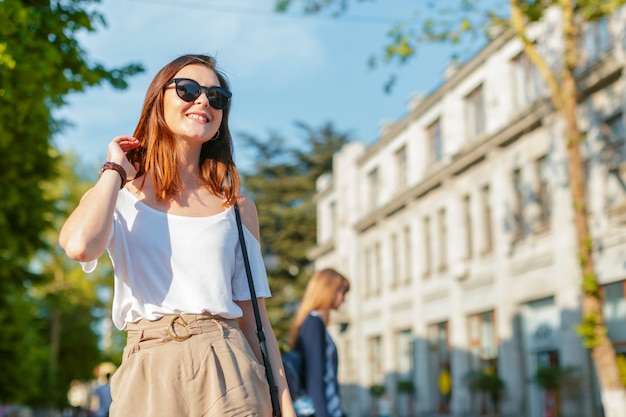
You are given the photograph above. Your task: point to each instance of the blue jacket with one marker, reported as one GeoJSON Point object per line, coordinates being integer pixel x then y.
{"type": "Point", "coordinates": [320, 366]}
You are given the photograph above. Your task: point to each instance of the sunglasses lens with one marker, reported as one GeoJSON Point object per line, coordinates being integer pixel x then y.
{"type": "Point", "coordinates": [188, 90]}
{"type": "Point", "coordinates": [218, 97]}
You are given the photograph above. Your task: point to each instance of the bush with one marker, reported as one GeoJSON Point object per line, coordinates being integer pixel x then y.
{"type": "Point", "coordinates": [405, 385]}
{"type": "Point", "coordinates": [550, 377]}
{"type": "Point", "coordinates": [377, 390]}
{"type": "Point", "coordinates": [484, 381]}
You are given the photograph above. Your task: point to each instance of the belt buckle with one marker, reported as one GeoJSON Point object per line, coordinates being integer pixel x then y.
{"type": "Point", "coordinates": [171, 331]}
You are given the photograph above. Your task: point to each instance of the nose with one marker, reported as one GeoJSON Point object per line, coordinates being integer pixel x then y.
{"type": "Point", "coordinates": [204, 96]}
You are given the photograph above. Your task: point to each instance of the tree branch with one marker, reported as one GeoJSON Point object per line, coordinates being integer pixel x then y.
{"type": "Point", "coordinates": [519, 25]}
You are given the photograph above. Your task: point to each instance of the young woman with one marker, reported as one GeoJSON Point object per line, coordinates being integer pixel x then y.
{"type": "Point", "coordinates": [163, 209]}
{"type": "Point", "coordinates": [324, 292]}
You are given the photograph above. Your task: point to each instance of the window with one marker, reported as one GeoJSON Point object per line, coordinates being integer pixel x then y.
{"type": "Point", "coordinates": [439, 339]}
{"type": "Point", "coordinates": [378, 276]}
{"type": "Point", "coordinates": [596, 40]}
{"type": "Point", "coordinates": [395, 261]}
{"type": "Point", "coordinates": [548, 401]}
{"type": "Point", "coordinates": [614, 311]}
{"type": "Point", "coordinates": [439, 362]}
{"type": "Point", "coordinates": [528, 83]}
{"type": "Point", "coordinates": [372, 273]}
{"type": "Point", "coordinates": [518, 205]}
{"type": "Point", "coordinates": [401, 167]}
{"type": "Point", "coordinates": [428, 252]}
{"type": "Point", "coordinates": [369, 272]}
{"type": "Point", "coordinates": [485, 198]}
{"type": "Point", "coordinates": [613, 137]}
{"type": "Point", "coordinates": [372, 179]}
{"type": "Point", "coordinates": [475, 113]}
{"type": "Point", "coordinates": [404, 353]}
{"type": "Point", "coordinates": [542, 197]}
{"type": "Point", "coordinates": [332, 217]}
{"type": "Point", "coordinates": [407, 254]}
{"type": "Point", "coordinates": [377, 374]}
{"type": "Point", "coordinates": [435, 142]}
{"type": "Point", "coordinates": [443, 240]}
{"type": "Point", "coordinates": [467, 214]}
{"type": "Point", "coordinates": [482, 343]}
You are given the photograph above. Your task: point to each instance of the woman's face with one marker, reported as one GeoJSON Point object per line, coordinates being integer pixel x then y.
{"type": "Point", "coordinates": [339, 297]}
{"type": "Point", "coordinates": [195, 120]}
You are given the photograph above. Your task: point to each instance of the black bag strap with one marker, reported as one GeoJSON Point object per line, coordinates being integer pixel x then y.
{"type": "Point", "coordinates": [257, 317]}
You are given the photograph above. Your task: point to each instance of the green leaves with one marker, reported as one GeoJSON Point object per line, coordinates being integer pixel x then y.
{"type": "Point", "coordinates": [592, 10]}
{"type": "Point", "coordinates": [550, 378]}
{"type": "Point", "coordinates": [46, 303]}
{"type": "Point", "coordinates": [590, 330]}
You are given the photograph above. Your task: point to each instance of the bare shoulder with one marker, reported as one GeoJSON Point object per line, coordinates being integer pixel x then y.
{"type": "Point", "coordinates": [249, 215]}
{"type": "Point", "coordinates": [246, 204]}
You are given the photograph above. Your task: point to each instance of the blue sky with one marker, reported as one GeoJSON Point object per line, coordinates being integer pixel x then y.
{"type": "Point", "coordinates": [282, 68]}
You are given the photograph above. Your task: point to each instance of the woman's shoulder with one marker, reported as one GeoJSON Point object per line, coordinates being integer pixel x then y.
{"type": "Point", "coordinates": [312, 320]}
{"type": "Point", "coordinates": [246, 205]}
{"type": "Point", "coordinates": [249, 215]}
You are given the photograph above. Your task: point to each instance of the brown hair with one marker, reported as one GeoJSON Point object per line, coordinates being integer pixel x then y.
{"type": "Point", "coordinates": [157, 151]}
{"type": "Point", "coordinates": [319, 294]}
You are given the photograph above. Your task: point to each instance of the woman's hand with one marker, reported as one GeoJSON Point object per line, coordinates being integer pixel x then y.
{"type": "Point", "coordinates": [117, 153]}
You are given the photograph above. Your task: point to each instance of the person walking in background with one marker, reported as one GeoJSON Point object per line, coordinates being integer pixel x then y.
{"type": "Point", "coordinates": [385, 405]}
{"type": "Point", "coordinates": [324, 292]}
{"type": "Point", "coordinates": [102, 395]}
{"type": "Point", "coordinates": [163, 208]}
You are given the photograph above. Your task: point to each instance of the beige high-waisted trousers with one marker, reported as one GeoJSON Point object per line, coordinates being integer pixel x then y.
{"type": "Point", "coordinates": [189, 366]}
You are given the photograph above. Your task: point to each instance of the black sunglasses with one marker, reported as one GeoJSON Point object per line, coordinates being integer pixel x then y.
{"type": "Point", "coordinates": [189, 90]}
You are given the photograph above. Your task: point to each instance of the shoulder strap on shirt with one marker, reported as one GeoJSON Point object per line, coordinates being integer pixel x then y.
{"type": "Point", "coordinates": [257, 317]}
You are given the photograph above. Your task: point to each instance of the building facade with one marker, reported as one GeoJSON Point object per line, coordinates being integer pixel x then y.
{"type": "Point", "coordinates": [456, 229]}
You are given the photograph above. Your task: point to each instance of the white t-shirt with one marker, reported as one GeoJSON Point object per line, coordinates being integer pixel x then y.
{"type": "Point", "coordinates": [170, 264]}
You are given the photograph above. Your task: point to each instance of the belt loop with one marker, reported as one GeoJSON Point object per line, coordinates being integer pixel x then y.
{"type": "Point", "coordinates": [220, 326]}
{"type": "Point", "coordinates": [134, 347]}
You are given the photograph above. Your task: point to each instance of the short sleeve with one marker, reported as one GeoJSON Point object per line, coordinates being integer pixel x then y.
{"type": "Point", "coordinates": [90, 266]}
{"type": "Point", "coordinates": [241, 290]}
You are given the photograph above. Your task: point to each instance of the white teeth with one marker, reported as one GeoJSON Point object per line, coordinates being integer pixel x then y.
{"type": "Point", "coordinates": [198, 117]}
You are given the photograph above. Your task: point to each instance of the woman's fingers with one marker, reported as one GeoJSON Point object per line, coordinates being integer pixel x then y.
{"type": "Point", "coordinates": [128, 143]}
{"type": "Point", "coordinates": [117, 153]}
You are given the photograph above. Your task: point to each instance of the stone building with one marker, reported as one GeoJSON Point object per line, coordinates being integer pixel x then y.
{"type": "Point", "coordinates": [456, 229]}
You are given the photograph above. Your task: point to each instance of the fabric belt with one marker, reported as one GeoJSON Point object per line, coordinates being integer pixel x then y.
{"type": "Point", "coordinates": [177, 328]}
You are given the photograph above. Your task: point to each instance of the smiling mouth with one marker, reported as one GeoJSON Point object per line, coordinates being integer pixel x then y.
{"type": "Point", "coordinates": [198, 117]}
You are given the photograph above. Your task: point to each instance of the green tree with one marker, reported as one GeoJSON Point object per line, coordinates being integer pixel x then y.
{"type": "Point", "coordinates": [68, 303]}
{"type": "Point", "coordinates": [439, 22]}
{"type": "Point", "coordinates": [282, 184]}
{"type": "Point", "coordinates": [41, 62]}
{"type": "Point", "coordinates": [22, 348]}
{"type": "Point", "coordinates": [48, 336]}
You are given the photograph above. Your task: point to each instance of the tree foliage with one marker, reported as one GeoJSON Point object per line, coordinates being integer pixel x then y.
{"type": "Point", "coordinates": [46, 309]}
{"type": "Point", "coordinates": [49, 337]}
{"type": "Point", "coordinates": [69, 306]}
{"type": "Point", "coordinates": [282, 184]}
{"type": "Point", "coordinates": [41, 62]}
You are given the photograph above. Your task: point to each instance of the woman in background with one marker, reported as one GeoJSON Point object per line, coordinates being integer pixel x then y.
{"type": "Point", "coordinates": [324, 292]}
